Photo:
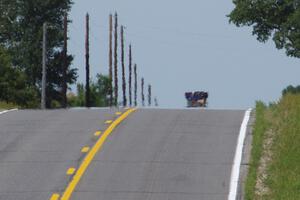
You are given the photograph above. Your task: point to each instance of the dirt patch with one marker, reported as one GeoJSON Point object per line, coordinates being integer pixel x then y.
{"type": "Point", "coordinates": [261, 189]}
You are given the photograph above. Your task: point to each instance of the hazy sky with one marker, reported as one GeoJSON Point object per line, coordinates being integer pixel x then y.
{"type": "Point", "coordinates": [184, 46]}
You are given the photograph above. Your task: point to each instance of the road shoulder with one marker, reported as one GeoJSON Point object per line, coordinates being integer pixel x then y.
{"type": "Point", "coordinates": [246, 158]}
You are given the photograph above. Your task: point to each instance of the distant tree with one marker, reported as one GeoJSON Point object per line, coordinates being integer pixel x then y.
{"type": "Point", "coordinates": [99, 93]}
{"type": "Point", "coordinates": [13, 87]}
{"type": "Point", "coordinates": [55, 79]}
{"type": "Point", "coordinates": [77, 100]}
{"type": "Point", "coordinates": [278, 19]}
{"type": "Point", "coordinates": [21, 35]}
{"type": "Point", "coordinates": [291, 90]}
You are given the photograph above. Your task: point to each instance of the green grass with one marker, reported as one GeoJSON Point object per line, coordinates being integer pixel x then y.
{"type": "Point", "coordinates": [259, 129]}
{"type": "Point", "coordinates": [283, 171]}
{"type": "Point", "coordinates": [5, 106]}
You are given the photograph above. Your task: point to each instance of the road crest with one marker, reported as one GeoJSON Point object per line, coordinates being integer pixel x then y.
{"type": "Point", "coordinates": [90, 156]}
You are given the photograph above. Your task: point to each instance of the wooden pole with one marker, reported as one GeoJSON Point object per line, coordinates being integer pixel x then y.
{"type": "Point", "coordinates": [87, 66]}
{"type": "Point", "coordinates": [149, 95]}
{"type": "Point", "coordinates": [135, 85]}
{"type": "Point", "coordinates": [44, 70]}
{"type": "Point", "coordinates": [156, 102]}
{"type": "Point", "coordinates": [116, 59]}
{"type": "Point", "coordinates": [65, 63]}
{"type": "Point", "coordinates": [123, 68]}
{"type": "Point", "coordinates": [110, 61]}
{"type": "Point", "coordinates": [130, 77]}
{"type": "Point", "coordinates": [142, 90]}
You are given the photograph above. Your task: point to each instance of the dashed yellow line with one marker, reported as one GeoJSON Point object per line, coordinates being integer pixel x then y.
{"type": "Point", "coordinates": [90, 156]}
{"type": "Point", "coordinates": [85, 149]}
{"type": "Point", "coordinates": [55, 196]}
{"type": "Point", "coordinates": [118, 113]}
{"type": "Point", "coordinates": [97, 133]}
{"type": "Point", "coordinates": [108, 121]}
{"type": "Point", "coordinates": [71, 171]}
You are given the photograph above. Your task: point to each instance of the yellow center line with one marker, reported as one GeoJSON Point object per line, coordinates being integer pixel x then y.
{"type": "Point", "coordinates": [71, 171]}
{"type": "Point", "coordinates": [54, 196]}
{"type": "Point", "coordinates": [90, 156]}
{"type": "Point", "coordinates": [108, 121]}
{"type": "Point", "coordinates": [97, 133]}
{"type": "Point", "coordinates": [85, 149]}
{"type": "Point", "coordinates": [118, 113]}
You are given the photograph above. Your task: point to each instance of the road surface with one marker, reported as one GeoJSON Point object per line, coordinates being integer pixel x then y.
{"type": "Point", "coordinates": [152, 155]}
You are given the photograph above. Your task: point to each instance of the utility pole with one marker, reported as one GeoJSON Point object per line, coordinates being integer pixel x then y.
{"type": "Point", "coordinates": [87, 64]}
{"type": "Point", "coordinates": [135, 85]}
{"type": "Point", "coordinates": [44, 70]}
{"type": "Point", "coordinates": [116, 59]}
{"type": "Point", "coordinates": [110, 61]}
{"type": "Point", "coordinates": [149, 96]}
{"type": "Point", "coordinates": [65, 62]}
{"type": "Point", "coordinates": [156, 102]}
{"type": "Point", "coordinates": [123, 67]}
{"type": "Point", "coordinates": [143, 96]}
{"type": "Point", "coordinates": [130, 77]}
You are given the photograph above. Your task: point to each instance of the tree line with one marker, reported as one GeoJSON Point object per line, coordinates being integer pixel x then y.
{"type": "Point", "coordinates": [21, 36]}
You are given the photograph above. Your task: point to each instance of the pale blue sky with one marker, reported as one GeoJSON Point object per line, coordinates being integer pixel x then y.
{"type": "Point", "coordinates": [183, 46]}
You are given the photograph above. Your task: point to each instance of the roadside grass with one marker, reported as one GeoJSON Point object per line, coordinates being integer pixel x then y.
{"type": "Point", "coordinates": [283, 169]}
{"type": "Point", "coordinates": [5, 106]}
{"type": "Point", "coordinates": [259, 129]}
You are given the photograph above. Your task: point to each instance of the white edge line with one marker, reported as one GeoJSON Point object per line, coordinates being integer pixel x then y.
{"type": "Point", "coordinates": [6, 111]}
{"type": "Point", "coordinates": [235, 172]}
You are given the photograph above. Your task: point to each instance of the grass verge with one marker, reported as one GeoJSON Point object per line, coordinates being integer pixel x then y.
{"type": "Point", "coordinates": [282, 173]}
{"type": "Point", "coordinates": [259, 129]}
{"type": "Point", "coordinates": [6, 106]}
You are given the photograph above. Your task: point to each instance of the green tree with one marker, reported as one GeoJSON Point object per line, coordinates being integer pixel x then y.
{"type": "Point", "coordinates": [12, 84]}
{"type": "Point", "coordinates": [276, 19]}
{"type": "Point", "coordinates": [79, 99]}
{"type": "Point", "coordinates": [21, 35]}
{"type": "Point", "coordinates": [291, 90]}
{"type": "Point", "coordinates": [99, 93]}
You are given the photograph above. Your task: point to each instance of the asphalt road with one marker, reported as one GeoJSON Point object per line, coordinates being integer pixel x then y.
{"type": "Point", "coordinates": [37, 148]}
{"type": "Point", "coordinates": [152, 155]}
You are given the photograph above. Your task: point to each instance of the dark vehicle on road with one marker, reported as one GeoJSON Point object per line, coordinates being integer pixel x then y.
{"type": "Point", "coordinates": [196, 99]}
